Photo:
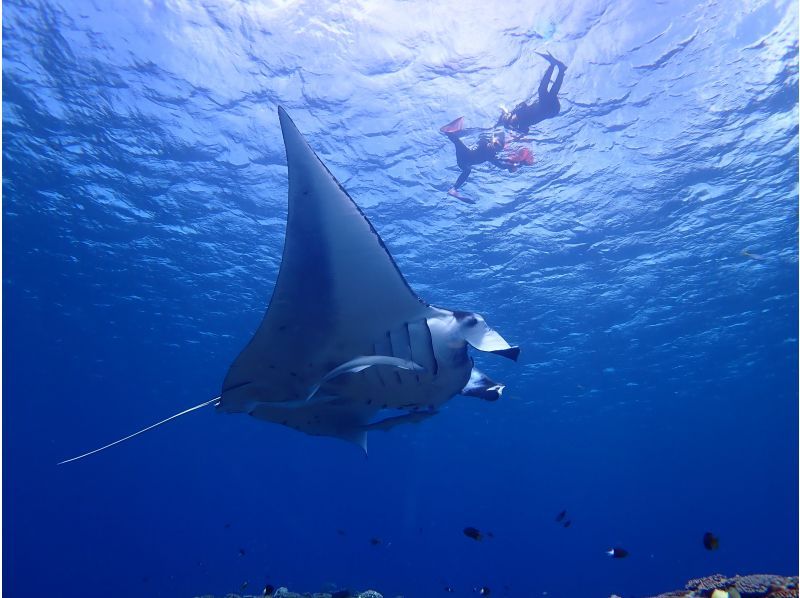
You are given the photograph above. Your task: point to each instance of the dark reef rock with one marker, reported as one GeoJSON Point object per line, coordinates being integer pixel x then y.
{"type": "Point", "coordinates": [285, 593]}
{"type": "Point", "coordinates": [713, 586]}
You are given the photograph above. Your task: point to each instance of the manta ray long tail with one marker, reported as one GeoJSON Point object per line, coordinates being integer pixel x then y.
{"type": "Point", "coordinates": [155, 425]}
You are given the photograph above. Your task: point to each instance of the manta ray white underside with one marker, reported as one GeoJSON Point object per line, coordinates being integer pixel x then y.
{"type": "Point", "coordinates": [346, 346]}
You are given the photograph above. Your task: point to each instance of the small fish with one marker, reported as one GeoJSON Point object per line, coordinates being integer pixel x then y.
{"type": "Point", "coordinates": [374, 541]}
{"type": "Point", "coordinates": [244, 585]}
{"type": "Point", "coordinates": [448, 589]}
{"type": "Point", "coordinates": [475, 534]}
{"type": "Point", "coordinates": [227, 526]}
{"type": "Point", "coordinates": [617, 553]}
{"type": "Point", "coordinates": [341, 532]}
{"type": "Point", "coordinates": [268, 590]}
{"type": "Point", "coordinates": [753, 256]}
{"type": "Point", "coordinates": [710, 541]}
{"type": "Point", "coordinates": [484, 591]}
{"type": "Point", "coordinates": [568, 522]}
{"type": "Point", "coordinates": [561, 515]}
{"type": "Point", "coordinates": [241, 552]}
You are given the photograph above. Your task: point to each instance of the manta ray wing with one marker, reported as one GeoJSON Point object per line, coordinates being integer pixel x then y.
{"type": "Point", "coordinates": [338, 290]}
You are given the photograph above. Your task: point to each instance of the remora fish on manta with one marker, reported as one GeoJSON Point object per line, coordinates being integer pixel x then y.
{"type": "Point", "coordinates": [345, 341]}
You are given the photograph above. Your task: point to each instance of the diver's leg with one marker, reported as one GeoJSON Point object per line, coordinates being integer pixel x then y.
{"type": "Point", "coordinates": [462, 153]}
{"type": "Point", "coordinates": [462, 158]}
{"type": "Point", "coordinates": [462, 178]}
{"type": "Point", "coordinates": [545, 81]}
{"type": "Point", "coordinates": [559, 80]}
{"type": "Point", "coordinates": [454, 192]}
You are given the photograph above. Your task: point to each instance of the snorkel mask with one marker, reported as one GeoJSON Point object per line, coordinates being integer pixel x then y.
{"type": "Point", "coordinates": [498, 141]}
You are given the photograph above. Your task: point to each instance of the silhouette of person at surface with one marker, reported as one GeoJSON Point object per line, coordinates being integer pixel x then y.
{"type": "Point", "coordinates": [524, 116]}
{"type": "Point", "coordinates": [485, 150]}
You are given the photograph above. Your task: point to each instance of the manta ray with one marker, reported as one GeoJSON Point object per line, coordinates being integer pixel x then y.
{"type": "Point", "coordinates": [346, 346]}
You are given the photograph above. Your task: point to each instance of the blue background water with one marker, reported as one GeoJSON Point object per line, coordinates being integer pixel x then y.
{"type": "Point", "coordinates": [144, 195]}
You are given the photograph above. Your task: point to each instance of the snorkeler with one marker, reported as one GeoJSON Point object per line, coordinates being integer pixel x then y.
{"type": "Point", "coordinates": [524, 116]}
{"type": "Point", "coordinates": [485, 150]}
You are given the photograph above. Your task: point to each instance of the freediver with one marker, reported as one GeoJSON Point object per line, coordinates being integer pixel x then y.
{"type": "Point", "coordinates": [485, 150]}
{"type": "Point", "coordinates": [524, 116]}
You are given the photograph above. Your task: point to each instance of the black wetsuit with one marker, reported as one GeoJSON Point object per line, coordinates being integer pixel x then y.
{"type": "Point", "coordinates": [467, 157]}
{"type": "Point", "coordinates": [524, 116]}
{"type": "Point", "coordinates": [528, 115]}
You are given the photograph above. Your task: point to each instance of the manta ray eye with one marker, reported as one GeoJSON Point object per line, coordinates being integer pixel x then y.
{"type": "Point", "coordinates": [470, 321]}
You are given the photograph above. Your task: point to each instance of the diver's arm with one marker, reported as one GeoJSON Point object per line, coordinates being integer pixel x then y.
{"type": "Point", "coordinates": [504, 164]}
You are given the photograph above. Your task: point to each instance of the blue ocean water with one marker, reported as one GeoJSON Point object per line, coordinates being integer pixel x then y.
{"type": "Point", "coordinates": [646, 264]}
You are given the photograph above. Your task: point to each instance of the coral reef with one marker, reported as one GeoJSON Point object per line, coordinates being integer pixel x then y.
{"type": "Point", "coordinates": [285, 593]}
{"type": "Point", "coordinates": [717, 585]}
{"type": "Point", "coordinates": [746, 586]}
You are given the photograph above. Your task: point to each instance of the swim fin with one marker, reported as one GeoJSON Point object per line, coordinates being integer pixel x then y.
{"type": "Point", "coordinates": [455, 193]}
{"type": "Point", "coordinates": [453, 127]}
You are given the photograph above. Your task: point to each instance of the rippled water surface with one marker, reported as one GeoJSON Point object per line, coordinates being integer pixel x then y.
{"type": "Point", "coordinates": [646, 264]}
